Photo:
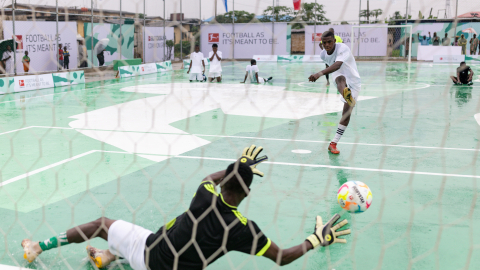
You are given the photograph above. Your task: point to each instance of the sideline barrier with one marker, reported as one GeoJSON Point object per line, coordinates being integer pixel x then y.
{"type": "Point", "coordinates": [42, 81]}
{"type": "Point", "coordinates": [287, 58]}
{"type": "Point", "coordinates": [144, 69]}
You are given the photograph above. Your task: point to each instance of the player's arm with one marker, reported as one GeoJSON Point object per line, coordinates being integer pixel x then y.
{"type": "Point", "coordinates": [324, 235]}
{"type": "Point", "coordinates": [211, 58]}
{"type": "Point", "coordinates": [246, 76]}
{"type": "Point", "coordinates": [256, 76]}
{"type": "Point", "coordinates": [189, 66]}
{"type": "Point", "coordinates": [218, 57]}
{"type": "Point", "coordinates": [336, 66]}
{"type": "Point", "coordinates": [470, 76]}
{"type": "Point", "coordinates": [215, 177]}
{"type": "Point", "coordinates": [203, 63]}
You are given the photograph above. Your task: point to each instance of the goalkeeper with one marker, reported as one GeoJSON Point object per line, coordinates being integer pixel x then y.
{"type": "Point", "coordinates": [200, 235]}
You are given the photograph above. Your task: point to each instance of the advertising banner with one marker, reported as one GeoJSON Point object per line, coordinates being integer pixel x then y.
{"type": "Point", "coordinates": [290, 58]}
{"type": "Point", "coordinates": [373, 41]}
{"type": "Point", "coordinates": [268, 58]}
{"type": "Point", "coordinates": [40, 40]}
{"type": "Point", "coordinates": [164, 66]}
{"type": "Point", "coordinates": [154, 43]}
{"type": "Point", "coordinates": [448, 58]}
{"type": "Point", "coordinates": [6, 85]}
{"type": "Point", "coordinates": [68, 78]}
{"type": "Point", "coordinates": [136, 70]}
{"type": "Point", "coordinates": [247, 38]}
{"type": "Point", "coordinates": [33, 82]}
{"type": "Point", "coordinates": [112, 32]}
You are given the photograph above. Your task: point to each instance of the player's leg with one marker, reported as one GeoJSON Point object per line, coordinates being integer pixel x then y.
{"type": "Point", "coordinates": [219, 77]}
{"type": "Point", "coordinates": [79, 234]}
{"type": "Point", "coordinates": [347, 111]}
{"type": "Point", "coordinates": [454, 79]}
{"type": "Point", "coordinates": [327, 76]}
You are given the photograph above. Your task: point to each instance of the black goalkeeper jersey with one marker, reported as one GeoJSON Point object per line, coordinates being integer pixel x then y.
{"type": "Point", "coordinates": [220, 228]}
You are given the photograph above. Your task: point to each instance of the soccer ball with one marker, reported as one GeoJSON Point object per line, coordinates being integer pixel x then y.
{"type": "Point", "coordinates": [354, 196]}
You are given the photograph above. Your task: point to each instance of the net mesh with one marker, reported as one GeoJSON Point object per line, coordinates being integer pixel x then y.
{"type": "Point", "coordinates": [99, 119]}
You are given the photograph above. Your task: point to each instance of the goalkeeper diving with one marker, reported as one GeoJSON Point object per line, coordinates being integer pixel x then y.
{"type": "Point", "coordinates": [206, 220]}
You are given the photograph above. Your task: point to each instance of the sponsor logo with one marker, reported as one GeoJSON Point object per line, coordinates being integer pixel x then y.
{"type": "Point", "coordinates": [21, 83]}
{"type": "Point", "coordinates": [213, 37]}
{"type": "Point", "coordinates": [316, 36]}
{"type": "Point", "coordinates": [155, 38]}
{"type": "Point", "coordinates": [143, 69]}
{"type": "Point", "coordinates": [19, 40]}
{"type": "Point", "coordinates": [355, 189]}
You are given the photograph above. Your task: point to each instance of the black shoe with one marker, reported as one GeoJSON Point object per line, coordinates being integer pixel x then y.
{"type": "Point", "coordinates": [269, 79]}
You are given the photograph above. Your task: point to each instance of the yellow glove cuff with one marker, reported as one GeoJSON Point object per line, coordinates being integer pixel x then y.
{"type": "Point", "coordinates": [313, 239]}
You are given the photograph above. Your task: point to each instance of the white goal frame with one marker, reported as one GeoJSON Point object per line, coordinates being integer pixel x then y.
{"type": "Point", "coordinates": [386, 26]}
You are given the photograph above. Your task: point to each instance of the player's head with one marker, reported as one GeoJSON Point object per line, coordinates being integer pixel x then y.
{"type": "Point", "coordinates": [424, 36]}
{"type": "Point", "coordinates": [238, 178]}
{"type": "Point", "coordinates": [214, 47]}
{"type": "Point", "coordinates": [253, 62]}
{"type": "Point", "coordinates": [197, 48]}
{"type": "Point", "coordinates": [328, 40]}
{"type": "Point", "coordinates": [331, 30]}
{"type": "Point", "coordinates": [462, 63]}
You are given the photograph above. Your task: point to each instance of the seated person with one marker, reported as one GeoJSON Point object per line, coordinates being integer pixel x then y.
{"type": "Point", "coordinates": [252, 74]}
{"type": "Point", "coordinates": [464, 75]}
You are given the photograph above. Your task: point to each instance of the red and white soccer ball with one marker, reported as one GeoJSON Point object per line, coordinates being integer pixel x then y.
{"type": "Point", "coordinates": [354, 196]}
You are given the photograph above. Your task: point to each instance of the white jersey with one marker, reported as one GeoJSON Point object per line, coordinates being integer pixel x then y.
{"type": "Point", "coordinates": [349, 67]}
{"type": "Point", "coordinates": [252, 70]}
{"type": "Point", "coordinates": [197, 59]}
{"type": "Point", "coordinates": [215, 65]}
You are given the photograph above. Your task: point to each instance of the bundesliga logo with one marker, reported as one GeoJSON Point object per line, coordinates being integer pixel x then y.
{"type": "Point", "coordinates": [21, 83]}
{"type": "Point", "coordinates": [213, 37]}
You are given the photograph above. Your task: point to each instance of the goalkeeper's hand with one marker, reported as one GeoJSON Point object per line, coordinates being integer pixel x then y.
{"type": "Point", "coordinates": [327, 234]}
{"type": "Point", "coordinates": [249, 156]}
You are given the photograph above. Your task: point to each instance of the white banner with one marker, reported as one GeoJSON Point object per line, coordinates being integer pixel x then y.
{"type": "Point", "coordinates": [269, 58]}
{"type": "Point", "coordinates": [136, 70]}
{"type": "Point", "coordinates": [373, 41]}
{"type": "Point", "coordinates": [250, 39]}
{"type": "Point", "coordinates": [33, 82]}
{"type": "Point", "coordinates": [38, 38]}
{"type": "Point", "coordinates": [154, 43]}
{"type": "Point", "coordinates": [448, 58]}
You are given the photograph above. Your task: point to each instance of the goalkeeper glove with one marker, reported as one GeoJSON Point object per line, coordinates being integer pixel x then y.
{"type": "Point", "coordinates": [249, 157]}
{"type": "Point", "coordinates": [325, 235]}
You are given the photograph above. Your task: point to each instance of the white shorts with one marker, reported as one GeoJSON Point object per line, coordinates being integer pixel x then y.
{"type": "Point", "coordinates": [214, 74]}
{"type": "Point", "coordinates": [355, 88]}
{"type": "Point", "coordinates": [196, 76]}
{"type": "Point", "coordinates": [128, 241]}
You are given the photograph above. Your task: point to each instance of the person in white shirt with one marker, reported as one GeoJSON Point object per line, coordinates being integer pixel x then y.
{"type": "Point", "coordinates": [252, 74]}
{"type": "Point", "coordinates": [344, 71]}
{"type": "Point", "coordinates": [7, 59]}
{"type": "Point", "coordinates": [196, 63]}
{"type": "Point", "coordinates": [215, 70]}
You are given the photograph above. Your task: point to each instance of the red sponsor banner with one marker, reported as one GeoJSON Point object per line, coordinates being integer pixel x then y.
{"type": "Point", "coordinates": [296, 4]}
{"type": "Point", "coordinates": [19, 40]}
{"type": "Point", "coordinates": [316, 37]}
{"type": "Point", "coordinates": [213, 37]}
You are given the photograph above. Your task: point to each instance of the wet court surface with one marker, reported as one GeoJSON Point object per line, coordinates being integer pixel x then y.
{"type": "Point", "coordinates": [136, 149]}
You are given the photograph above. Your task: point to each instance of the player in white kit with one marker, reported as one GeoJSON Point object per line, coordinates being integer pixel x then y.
{"type": "Point", "coordinates": [251, 76]}
{"type": "Point", "coordinates": [196, 63]}
{"type": "Point", "coordinates": [344, 71]}
{"type": "Point", "coordinates": [215, 71]}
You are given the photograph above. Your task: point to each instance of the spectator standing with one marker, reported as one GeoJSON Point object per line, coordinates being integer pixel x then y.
{"type": "Point", "coordinates": [60, 56]}
{"type": "Point", "coordinates": [436, 39]}
{"type": "Point", "coordinates": [446, 40]}
{"type": "Point", "coordinates": [473, 44]}
{"type": "Point", "coordinates": [463, 42]}
{"type": "Point", "coordinates": [455, 43]}
{"type": "Point", "coordinates": [7, 59]}
{"type": "Point", "coordinates": [66, 58]}
{"type": "Point", "coordinates": [424, 40]}
{"type": "Point", "coordinates": [26, 62]}
{"type": "Point", "coordinates": [101, 59]}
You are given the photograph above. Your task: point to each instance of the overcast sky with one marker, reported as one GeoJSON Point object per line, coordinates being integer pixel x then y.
{"type": "Point", "coordinates": [336, 11]}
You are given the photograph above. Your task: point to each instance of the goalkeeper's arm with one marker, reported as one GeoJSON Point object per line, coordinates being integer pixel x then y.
{"type": "Point", "coordinates": [215, 177]}
{"type": "Point", "coordinates": [286, 256]}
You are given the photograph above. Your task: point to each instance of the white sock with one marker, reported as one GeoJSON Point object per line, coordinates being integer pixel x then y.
{"type": "Point", "coordinates": [340, 130]}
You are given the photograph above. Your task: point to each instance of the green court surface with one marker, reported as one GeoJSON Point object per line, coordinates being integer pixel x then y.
{"type": "Point", "coordinates": [136, 149]}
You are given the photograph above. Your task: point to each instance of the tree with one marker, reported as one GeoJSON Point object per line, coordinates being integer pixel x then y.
{"type": "Point", "coordinates": [278, 14]}
{"type": "Point", "coordinates": [169, 44]}
{"type": "Point", "coordinates": [376, 13]}
{"type": "Point", "coordinates": [313, 12]}
{"type": "Point", "coordinates": [240, 16]}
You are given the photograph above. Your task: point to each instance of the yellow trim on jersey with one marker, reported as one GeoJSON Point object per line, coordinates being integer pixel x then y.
{"type": "Point", "coordinates": [239, 215]}
{"type": "Point", "coordinates": [221, 196]}
{"type": "Point", "coordinates": [210, 188]}
{"type": "Point", "coordinates": [265, 248]}
{"type": "Point", "coordinates": [338, 39]}
{"type": "Point", "coordinates": [170, 224]}
{"type": "Point", "coordinates": [207, 181]}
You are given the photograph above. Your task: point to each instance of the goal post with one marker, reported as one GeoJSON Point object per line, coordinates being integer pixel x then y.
{"type": "Point", "coordinates": [367, 42]}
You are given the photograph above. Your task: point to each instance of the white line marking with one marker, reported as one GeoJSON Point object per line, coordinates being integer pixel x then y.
{"type": "Point", "coordinates": [341, 167]}
{"type": "Point", "coordinates": [9, 267]}
{"type": "Point", "coordinates": [271, 139]}
{"type": "Point", "coordinates": [25, 175]}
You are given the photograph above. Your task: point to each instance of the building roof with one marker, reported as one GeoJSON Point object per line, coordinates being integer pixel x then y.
{"type": "Point", "coordinates": [62, 8]}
